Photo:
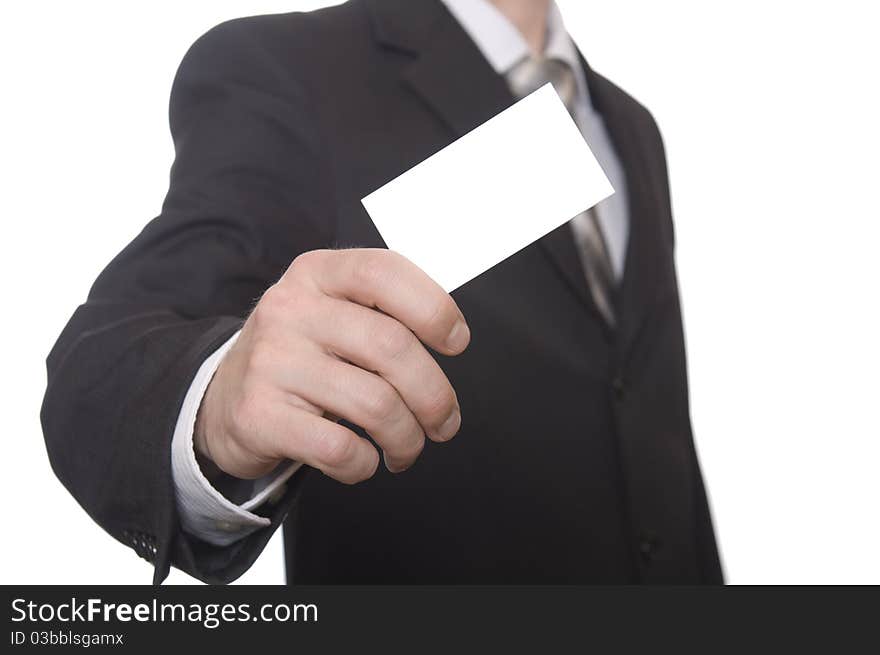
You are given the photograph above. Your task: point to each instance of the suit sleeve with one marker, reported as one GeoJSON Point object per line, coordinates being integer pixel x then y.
{"type": "Point", "coordinates": [249, 190]}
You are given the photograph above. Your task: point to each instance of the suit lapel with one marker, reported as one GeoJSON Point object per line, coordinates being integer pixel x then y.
{"type": "Point", "coordinates": [647, 268]}
{"type": "Point", "coordinates": [451, 77]}
{"type": "Point", "coordinates": [560, 248]}
{"type": "Point", "coordinates": [457, 84]}
{"type": "Point", "coordinates": [643, 259]}
{"type": "Point", "coordinates": [448, 72]}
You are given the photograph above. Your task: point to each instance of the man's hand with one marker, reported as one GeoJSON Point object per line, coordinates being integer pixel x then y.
{"type": "Point", "coordinates": [339, 336]}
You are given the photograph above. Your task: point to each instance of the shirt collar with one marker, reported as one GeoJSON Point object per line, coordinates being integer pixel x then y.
{"type": "Point", "coordinates": [503, 46]}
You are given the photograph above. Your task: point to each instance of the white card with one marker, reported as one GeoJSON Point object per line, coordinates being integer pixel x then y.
{"type": "Point", "coordinates": [492, 192]}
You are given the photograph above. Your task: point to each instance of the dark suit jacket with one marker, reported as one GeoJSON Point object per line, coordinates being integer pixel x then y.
{"type": "Point", "coordinates": [575, 462]}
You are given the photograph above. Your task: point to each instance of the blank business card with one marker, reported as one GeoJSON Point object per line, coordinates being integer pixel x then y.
{"type": "Point", "coordinates": [492, 192]}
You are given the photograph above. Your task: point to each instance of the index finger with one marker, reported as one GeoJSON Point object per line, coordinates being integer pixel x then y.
{"type": "Point", "coordinates": [388, 281]}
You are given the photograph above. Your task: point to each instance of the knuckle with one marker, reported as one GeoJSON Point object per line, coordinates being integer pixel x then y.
{"type": "Point", "coordinates": [365, 472]}
{"type": "Point", "coordinates": [439, 309]}
{"type": "Point", "coordinates": [270, 308]}
{"type": "Point", "coordinates": [287, 304]}
{"type": "Point", "coordinates": [416, 448]}
{"type": "Point", "coordinates": [439, 404]}
{"type": "Point", "coordinates": [371, 268]}
{"type": "Point", "coordinates": [379, 404]}
{"type": "Point", "coordinates": [440, 315]}
{"type": "Point", "coordinates": [393, 340]}
{"type": "Point", "coordinates": [335, 447]}
{"type": "Point", "coordinates": [304, 263]}
{"type": "Point", "coordinates": [404, 455]}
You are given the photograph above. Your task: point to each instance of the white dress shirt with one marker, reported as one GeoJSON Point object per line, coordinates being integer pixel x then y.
{"type": "Point", "coordinates": [204, 511]}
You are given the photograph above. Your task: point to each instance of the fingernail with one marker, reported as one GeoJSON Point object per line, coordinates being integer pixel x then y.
{"type": "Point", "coordinates": [450, 426]}
{"type": "Point", "coordinates": [459, 336]}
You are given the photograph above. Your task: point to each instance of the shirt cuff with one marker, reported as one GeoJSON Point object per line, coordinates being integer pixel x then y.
{"type": "Point", "coordinates": [204, 512]}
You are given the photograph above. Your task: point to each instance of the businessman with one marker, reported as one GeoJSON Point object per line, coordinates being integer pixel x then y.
{"type": "Point", "coordinates": [255, 357]}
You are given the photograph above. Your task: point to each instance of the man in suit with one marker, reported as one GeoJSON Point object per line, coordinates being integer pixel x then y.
{"type": "Point", "coordinates": [240, 365]}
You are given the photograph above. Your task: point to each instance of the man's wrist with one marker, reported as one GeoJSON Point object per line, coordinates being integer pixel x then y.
{"type": "Point", "coordinates": [206, 425]}
{"type": "Point", "coordinates": [200, 439]}
{"type": "Point", "coordinates": [205, 511]}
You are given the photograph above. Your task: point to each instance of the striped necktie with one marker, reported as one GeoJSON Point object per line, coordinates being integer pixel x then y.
{"type": "Point", "coordinates": [527, 76]}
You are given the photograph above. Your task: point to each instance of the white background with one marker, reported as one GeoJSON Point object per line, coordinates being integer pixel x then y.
{"type": "Point", "coordinates": [770, 115]}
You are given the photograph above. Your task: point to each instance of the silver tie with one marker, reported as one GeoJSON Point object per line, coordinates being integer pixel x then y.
{"type": "Point", "coordinates": [527, 76]}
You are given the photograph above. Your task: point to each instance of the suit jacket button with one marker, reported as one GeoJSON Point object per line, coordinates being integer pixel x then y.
{"type": "Point", "coordinates": [648, 545]}
{"type": "Point", "coordinates": [618, 387]}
